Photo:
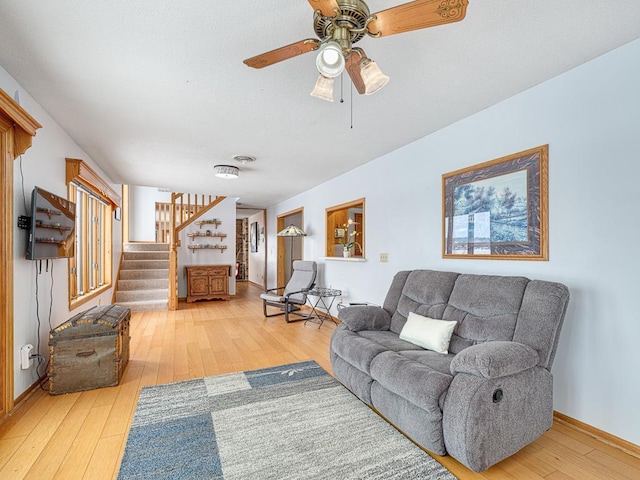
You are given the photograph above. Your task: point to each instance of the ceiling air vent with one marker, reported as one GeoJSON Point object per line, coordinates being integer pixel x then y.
{"type": "Point", "coordinates": [244, 159]}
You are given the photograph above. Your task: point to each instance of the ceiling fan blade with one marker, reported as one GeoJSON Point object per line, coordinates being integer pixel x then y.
{"type": "Point", "coordinates": [353, 68]}
{"type": "Point", "coordinates": [325, 6]}
{"type": "Point", "coordinates": [416, 15]}
{"type": "Point", "coordinates": [282, 53]}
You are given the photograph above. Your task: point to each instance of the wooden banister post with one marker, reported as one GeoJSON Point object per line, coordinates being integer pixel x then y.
{"type": "Point", "coordinates": [173, 257]}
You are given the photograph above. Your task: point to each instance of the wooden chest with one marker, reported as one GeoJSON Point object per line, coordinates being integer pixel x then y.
{"type": "Point", "coordinates": [207, 282]}
{"type": "Point", "coordinates": [90, 350]}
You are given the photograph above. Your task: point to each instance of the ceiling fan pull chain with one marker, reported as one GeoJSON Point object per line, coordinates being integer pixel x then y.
{"type": "Point", "coordinates": [341, 87]}
{"type": "Point", "coordinates": [352, 106]}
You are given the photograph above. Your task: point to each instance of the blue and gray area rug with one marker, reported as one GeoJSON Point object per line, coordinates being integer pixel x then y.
{"type": "Point", "coordinates": [291, 422]}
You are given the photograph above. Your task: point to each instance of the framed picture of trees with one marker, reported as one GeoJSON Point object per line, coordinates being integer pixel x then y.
{"type": "Point", "coordinates": [498, 209]}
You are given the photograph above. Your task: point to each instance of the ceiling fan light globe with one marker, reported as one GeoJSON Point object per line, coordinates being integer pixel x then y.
{"type": "Point", "coordinates": [330, 60]}
{"type": "Point", "coordinates": [323, 88]}
{"type": "Point", "coordinates": [372, 76]}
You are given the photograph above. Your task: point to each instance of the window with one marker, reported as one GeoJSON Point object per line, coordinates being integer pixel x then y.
{"type": "Point", "coordinates": [345, 230]}
{"type": "Point", "coordinates": [95, 199]}
{"type": "Point", "coordinates": [90, 268]}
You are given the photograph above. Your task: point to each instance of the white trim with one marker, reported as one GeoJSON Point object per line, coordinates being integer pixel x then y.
{"type": "Point", "coordinates": [343, 259]}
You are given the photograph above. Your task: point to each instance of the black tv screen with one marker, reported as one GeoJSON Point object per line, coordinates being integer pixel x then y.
{"type": "Point", "coordinates": [52, 233]}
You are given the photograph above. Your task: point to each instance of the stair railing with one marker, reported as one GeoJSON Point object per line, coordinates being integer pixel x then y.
{"type": "Point", "coordinates": [183, 214]}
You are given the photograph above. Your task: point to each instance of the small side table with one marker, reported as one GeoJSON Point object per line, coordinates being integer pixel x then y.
{"type": "Point", "coordinates": [342, 305]}
{"type": "Point", "coordinates": [324, 300]}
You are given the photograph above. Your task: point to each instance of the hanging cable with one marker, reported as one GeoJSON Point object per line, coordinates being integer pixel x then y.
{"type": "Point", "coordinates": [40, 358]}
{"type": "Point", "coordinates": [24, 198]}
{"type": "Point", "coordinates": [51, 296]}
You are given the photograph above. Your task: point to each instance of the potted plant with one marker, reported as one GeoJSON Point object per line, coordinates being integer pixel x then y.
{"type": "Point", "coordinates": [348, 241]}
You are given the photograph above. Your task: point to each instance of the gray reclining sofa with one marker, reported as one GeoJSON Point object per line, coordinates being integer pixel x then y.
{"type": "Point", "coordinates": [491, 395]}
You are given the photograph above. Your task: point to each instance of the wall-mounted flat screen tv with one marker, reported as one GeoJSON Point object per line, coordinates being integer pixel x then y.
{"type": "Point", "coordinates": [53, 220]}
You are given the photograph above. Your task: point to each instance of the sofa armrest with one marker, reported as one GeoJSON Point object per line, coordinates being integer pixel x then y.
{"type": "Point", "coordinates": [495, 359]}
{"type": "Point", "coordinates": [366, 317]}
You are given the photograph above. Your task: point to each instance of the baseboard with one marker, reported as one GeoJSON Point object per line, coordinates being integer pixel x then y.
{"type": "Point", "coordinates": [256, 284]}
{"type": "Point", "coordinates": [27, 393]}
{"type": "Point", "coordinates": [21, 400]}
{"type": "Point", "coordinates": [601, 435]}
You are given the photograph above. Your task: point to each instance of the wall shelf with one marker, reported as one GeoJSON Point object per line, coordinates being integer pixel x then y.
{"type": "Point", "coordinates": [50, 241]}
{"type": "Point", "coordinates": [48, 211]}
{"type": "Point", "coordinates": [199, 234]}
{"type": "Point", "coordinates": [60, 228]}
{"type": "Point", "coordinates": [213, 222]}
{"type": "Point", "coordinates": [207, 246]}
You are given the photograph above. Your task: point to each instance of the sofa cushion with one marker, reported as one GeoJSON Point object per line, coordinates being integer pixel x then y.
{"type": "Point", "coordinates": [435, 361]}
{"type": "Point", "coordinates": [495, 359]}
{"type": "Point", "coordinates": [389, 340]}
{"type": "Point", "coordinates": [418, 383]}
{"type": "Point", "coordinates": [422, 427]}
{"type": "Point", "coordinates": [486, 308]}
{"type": "Point", "coordinates": [538, 325]}
{"type": "Point", "coordinates": [428, 332]}
{"type": "Point", "coordinates": [354, 348]}
{"type": "Point", "coordinates": [364, 317]}
{"type": "Point", "coordinates": [425, 292]}
{"type": "Point", "coordinates": [352, 378]}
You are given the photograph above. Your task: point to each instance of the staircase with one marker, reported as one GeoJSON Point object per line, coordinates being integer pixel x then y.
{"type": "Point", "coordinates": [143, 284]}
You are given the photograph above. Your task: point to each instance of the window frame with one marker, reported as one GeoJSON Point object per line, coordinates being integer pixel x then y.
{"type": "Point", "coordinates": [94, 220]}
{"type": "Point", "coordinates": [338, 215]}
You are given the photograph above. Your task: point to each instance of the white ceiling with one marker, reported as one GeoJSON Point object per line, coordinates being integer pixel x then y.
{"type": "Point", "coordinates": [156, 93]}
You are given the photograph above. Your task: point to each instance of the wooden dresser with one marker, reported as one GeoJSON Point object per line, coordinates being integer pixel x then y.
{"type": "Point", "coordinates": [207, 282]}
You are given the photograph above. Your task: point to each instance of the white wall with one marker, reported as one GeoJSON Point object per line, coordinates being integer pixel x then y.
{"type": "Point", "coordinates": [257, 259]}
{"type": "Point", "coordinates": [142, 212]}
{"type": "Point", "coordinates": [590, 117]}
{"type": "Point", "coordinates": [225, 211]}
{"type": "Point", "coordinates": [44, 166]}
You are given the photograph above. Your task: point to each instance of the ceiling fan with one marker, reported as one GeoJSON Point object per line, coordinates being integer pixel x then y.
{"type": "Point", "coordinates": [339, 24]}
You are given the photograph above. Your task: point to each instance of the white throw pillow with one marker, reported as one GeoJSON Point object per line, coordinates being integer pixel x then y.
{"type": "Point", "coordinates": [428, 332]}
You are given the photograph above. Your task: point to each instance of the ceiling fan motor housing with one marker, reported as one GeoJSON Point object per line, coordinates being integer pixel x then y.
{"type": "Point", "coordinates": [352, 16]}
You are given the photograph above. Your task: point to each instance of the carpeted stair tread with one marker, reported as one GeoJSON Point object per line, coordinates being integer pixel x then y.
{"type": "Point", "coordinates": [146, 264]}
{"type": "Point", "coordinates": [146, 256]}
{"type": "Point", "coordinates": [142, 295]}
{"type": "Point", "coordinates": [148, 306]}
{"type": "Point", "coordinates": [136, 247]}
{"type": "Point", "coordinates": [141, 274]}
{"type": "Point", "coordinates": [143, 282]}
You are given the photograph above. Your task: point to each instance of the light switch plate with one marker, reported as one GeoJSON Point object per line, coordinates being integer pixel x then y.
{"type": "Point", "coordinates": [384, 257]}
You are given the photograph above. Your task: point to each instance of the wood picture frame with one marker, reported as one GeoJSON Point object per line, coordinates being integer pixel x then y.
{"type": "Point", "coordinates": [253, 237]}
{"type": "Point", "coordinates": [498, 210]}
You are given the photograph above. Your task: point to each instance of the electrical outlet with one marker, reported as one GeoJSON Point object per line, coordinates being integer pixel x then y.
{"type": "Point", "coordinates": [25, 357]}
{"type": "Point", "coordinates": [384, 257]}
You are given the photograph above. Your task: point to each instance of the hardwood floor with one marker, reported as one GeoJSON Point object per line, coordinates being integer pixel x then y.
{"type": "Point", "coordinates": [82, 435]}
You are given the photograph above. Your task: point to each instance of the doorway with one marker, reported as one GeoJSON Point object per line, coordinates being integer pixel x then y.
{"type": "Point", "coordinates": [291, 248]}
{"type": "Point", "coordinates": [251, 245]}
